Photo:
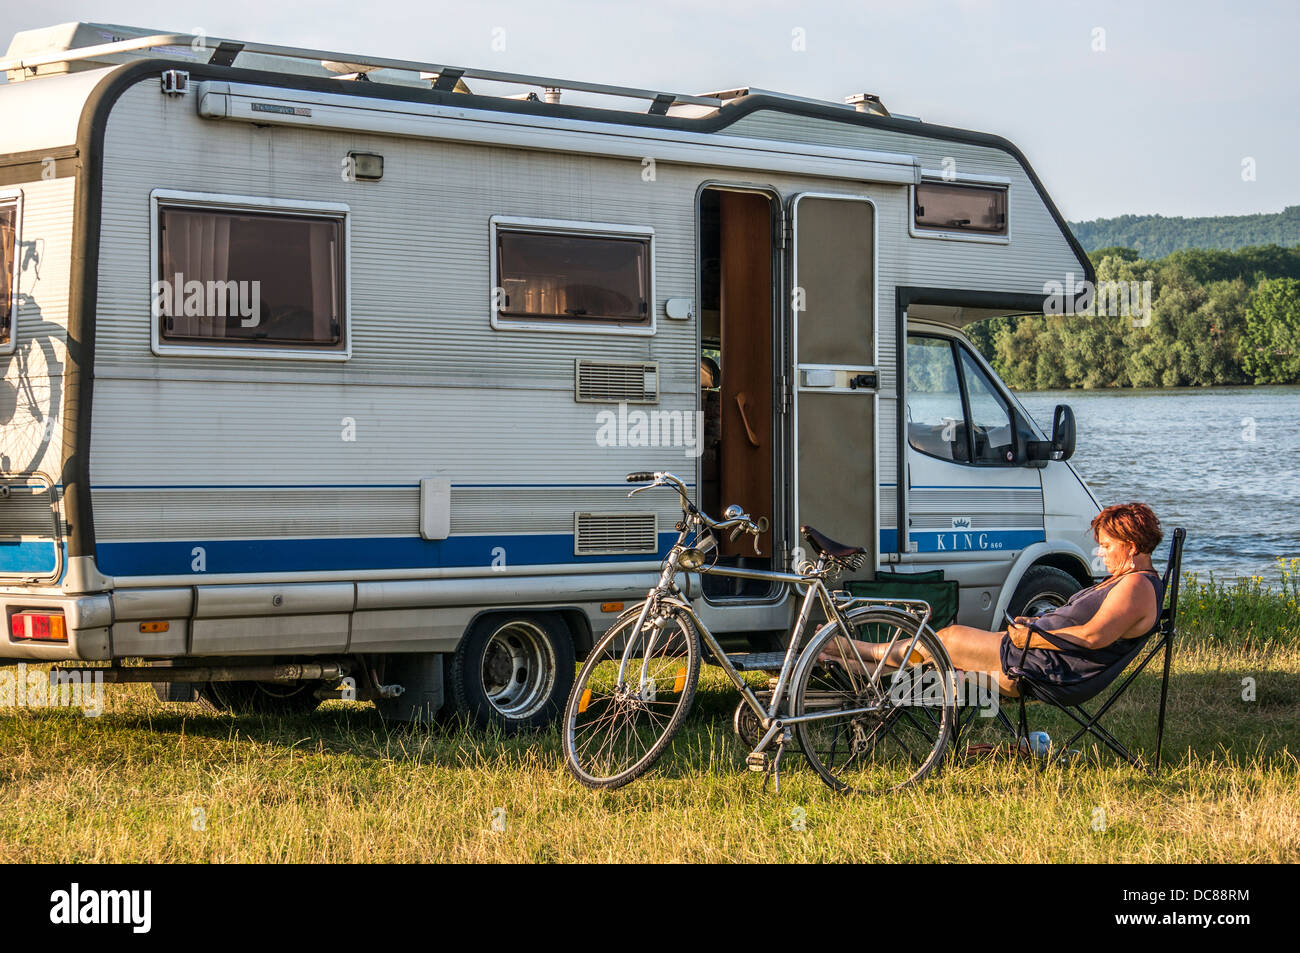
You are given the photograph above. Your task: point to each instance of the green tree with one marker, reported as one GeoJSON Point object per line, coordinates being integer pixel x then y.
{"type": "Point", "coordinates": [1271, 341]}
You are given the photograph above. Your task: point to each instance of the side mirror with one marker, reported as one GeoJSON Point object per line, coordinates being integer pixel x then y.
{"type": "Point", "coordinates": [1063, 430]}
{"type": "Point", "coordinates": [1061, 446]}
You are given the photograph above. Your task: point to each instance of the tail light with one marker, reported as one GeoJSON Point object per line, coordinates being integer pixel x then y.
{"type": "Point", "coordinates": [39, 626]}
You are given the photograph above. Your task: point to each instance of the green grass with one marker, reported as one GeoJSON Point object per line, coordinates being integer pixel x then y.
{"type": "Point", "coordinates": [341, 786]}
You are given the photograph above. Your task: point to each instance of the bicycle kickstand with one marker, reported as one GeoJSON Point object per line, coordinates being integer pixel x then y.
{"type": "Point", "coordinates": [774, 768]}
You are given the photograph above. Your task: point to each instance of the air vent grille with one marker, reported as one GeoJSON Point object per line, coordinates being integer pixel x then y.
{"type": "Point", "coordinates": [609, 534]}
{"type": "Point", "coordinates": [26, 509]}
{"type": "Point", "coordinates": [607, 382]}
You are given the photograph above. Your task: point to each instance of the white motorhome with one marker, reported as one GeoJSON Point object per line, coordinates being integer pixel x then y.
{"type": "Point", "coordinates": [322, 366]}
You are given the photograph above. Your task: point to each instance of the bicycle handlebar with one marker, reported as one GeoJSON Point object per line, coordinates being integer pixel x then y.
{"type": "Point", "coordinates": [741, 524]}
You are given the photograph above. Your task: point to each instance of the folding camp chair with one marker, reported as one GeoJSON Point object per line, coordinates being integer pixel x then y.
{"type": "Point", "coordinates": [1070, 698]}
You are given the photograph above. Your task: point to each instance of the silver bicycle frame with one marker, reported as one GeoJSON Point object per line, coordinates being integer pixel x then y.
{"type": "Point", "coordinates": [667, 593]}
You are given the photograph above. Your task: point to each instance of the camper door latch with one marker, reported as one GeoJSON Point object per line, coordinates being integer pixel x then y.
{"type": "Point", "coordinates": [175, 82]}
{"type": "Point", "coordinates": [863, 380]}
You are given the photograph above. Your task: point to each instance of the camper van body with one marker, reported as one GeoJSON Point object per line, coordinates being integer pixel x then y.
{"type": "Point", "coordinates": [431, 458]}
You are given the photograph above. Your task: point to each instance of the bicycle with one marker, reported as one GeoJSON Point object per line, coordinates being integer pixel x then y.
{"type": "Point", "coordinates": [878, 725]}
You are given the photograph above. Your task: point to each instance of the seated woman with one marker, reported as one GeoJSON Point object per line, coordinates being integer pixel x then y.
{"type": "Point", "coordinates": [1099, 619]}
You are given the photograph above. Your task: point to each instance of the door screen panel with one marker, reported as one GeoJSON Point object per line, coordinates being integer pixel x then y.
{"type": "Point", "coordinates": [835, 373]}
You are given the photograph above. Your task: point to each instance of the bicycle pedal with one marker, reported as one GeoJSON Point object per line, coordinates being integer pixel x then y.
{"type": "Point", "coordinates": [757, 760]}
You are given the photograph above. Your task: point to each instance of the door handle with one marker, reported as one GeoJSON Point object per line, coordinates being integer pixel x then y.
{"type": "Point", "coordinates": [744, 419]}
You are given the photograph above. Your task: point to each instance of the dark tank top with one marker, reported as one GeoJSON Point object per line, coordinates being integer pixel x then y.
{"type": "Point", "coordinates": [1083, 605]}
{"type": "Point", "coordinates": [1078, 664]}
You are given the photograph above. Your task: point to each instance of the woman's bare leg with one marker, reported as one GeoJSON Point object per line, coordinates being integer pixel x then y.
{"type": "Point", "coordinates": [971, 650]}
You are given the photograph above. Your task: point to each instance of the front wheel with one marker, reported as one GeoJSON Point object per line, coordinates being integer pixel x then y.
{"type": "Point", "coordinates": [894, 729]}
{"type": "Point", "coordinates": [616, 727]}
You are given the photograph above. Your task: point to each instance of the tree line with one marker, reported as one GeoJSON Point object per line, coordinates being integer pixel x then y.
{"type": "Point", "coordinates": [1216, 317]}
{"type": "Point", "coordinates": [1154, 236]}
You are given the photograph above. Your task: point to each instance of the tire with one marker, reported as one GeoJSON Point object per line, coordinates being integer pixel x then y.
{"type": "Point", "coordinates": [1041, 589]}
{"type": "Point", "coordinates": [894, 747]}
{"type": "Point", "coordinates": [512, 671]}
{"type": "Point", "coordinates": [602, 716]}
{"type": "Point", "coordinates": [259, 698]}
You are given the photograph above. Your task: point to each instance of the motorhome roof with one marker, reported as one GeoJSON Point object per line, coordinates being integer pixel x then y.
{"type": "Point", "coordinates": [73, 47]}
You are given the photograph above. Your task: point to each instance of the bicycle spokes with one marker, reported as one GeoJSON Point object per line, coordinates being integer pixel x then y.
{"type": "Point", "coordinates": [897, 712]}
{"type": "Point", "coordinates": [616, 727]}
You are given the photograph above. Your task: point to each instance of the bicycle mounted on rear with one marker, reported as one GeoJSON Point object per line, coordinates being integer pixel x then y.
{"type": "Point", "coordinates": [862, 723]}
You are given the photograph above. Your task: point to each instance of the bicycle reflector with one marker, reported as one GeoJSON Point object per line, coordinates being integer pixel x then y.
{"type": "Point", "coordinates": [691, 559]}
{"type": "Point", "coordinates": [584, 701]}
{"type": "Point", "coordinates": [38, 626]}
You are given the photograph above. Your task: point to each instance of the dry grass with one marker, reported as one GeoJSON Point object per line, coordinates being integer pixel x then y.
{"type": "Point", "coordinates": [133, 785]}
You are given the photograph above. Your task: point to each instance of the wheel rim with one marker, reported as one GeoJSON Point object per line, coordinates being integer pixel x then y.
{"type": "Point", "coordinates": [1042, 602]}
{"type": "Point", "coordinates": [518, 669]}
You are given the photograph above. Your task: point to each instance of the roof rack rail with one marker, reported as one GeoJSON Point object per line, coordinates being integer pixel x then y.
{"type": "Point", "coordinates": [226, 51]}
{"type": "Point", "coordinates": [729, 94]}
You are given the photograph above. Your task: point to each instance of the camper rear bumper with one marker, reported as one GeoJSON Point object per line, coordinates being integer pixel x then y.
{"type": "Point", "coordinates": [86, 619]}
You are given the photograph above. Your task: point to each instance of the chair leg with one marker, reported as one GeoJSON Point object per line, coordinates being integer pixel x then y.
{"type": "Point", "coordinates": [1164, 695]}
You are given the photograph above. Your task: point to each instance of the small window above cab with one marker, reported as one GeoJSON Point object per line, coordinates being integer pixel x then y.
{"type": "Point", "coordinates": [960, 210]}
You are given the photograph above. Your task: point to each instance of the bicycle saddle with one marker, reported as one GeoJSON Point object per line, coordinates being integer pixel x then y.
{"type": "Point", "coordinates": [824, 544]}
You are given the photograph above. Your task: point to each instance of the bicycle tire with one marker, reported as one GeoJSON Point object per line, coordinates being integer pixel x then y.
{"type": "Point", "coordinates": [624, 716]}
{"type": "Point", "coordinates": [867, 738]}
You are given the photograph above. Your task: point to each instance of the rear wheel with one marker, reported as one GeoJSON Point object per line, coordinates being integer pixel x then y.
{"type": "Point", "coordinates": [260, 698]}
{"type": "Point", "coordinates": [513, 671]}
{"type": "Point", "coordinates": [894, 730]}
{"type": "Point", "coordinates": [615, 729]}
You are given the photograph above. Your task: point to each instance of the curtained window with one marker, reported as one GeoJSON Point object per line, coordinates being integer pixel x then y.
{"type": "Point", "coordinates": [8, 269]}
{"type": "Point", "coordinates": [568, 277]}
{"type": "Point", "coordinates": [250, 278]}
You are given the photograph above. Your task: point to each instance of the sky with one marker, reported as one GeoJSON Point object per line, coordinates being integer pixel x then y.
{"type": "Point", "coordinates": [1173, 108]}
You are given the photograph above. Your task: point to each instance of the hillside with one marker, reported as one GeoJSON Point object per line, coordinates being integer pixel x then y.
{"type": "Point", "coordinates": [1155, 236]}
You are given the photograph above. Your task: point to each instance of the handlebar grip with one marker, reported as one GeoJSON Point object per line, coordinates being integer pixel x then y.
{"type": "Point", "coordinates": [641, 476]}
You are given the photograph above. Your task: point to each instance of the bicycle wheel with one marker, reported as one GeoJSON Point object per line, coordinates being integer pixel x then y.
{"type": "Point", "coordinates": [614, 731]}
{"type": "Point", "coordinates": [911, 712]}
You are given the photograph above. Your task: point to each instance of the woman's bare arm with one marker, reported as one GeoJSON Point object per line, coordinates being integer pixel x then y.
{"type": "Point", "coordinates": [1130, 602]}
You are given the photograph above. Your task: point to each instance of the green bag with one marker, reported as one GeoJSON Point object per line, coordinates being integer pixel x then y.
{"type": "Point", "coordinates": [943, 596]}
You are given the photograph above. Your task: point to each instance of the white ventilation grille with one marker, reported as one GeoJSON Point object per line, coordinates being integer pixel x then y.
{"type": "Point", "coordinates": [610, 534]}
{"type": "Point", "coordinates": [607, 382]}
{"type": "Point", "coordinates": [26, 509]}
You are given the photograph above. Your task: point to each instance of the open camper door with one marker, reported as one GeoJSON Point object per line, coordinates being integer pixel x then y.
{"type": "Point", "coordinates": [833, 311]}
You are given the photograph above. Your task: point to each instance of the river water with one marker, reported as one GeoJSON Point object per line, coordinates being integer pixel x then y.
{"type": "Point", "coordinates": [1223, 462]}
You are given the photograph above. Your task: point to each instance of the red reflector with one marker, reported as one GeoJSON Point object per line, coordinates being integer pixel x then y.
{"type": "Point", "coordinates": [34, 625]}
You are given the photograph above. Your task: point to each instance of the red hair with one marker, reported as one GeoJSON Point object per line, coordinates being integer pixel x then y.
{"type": "Point", "coordinates": [1134, 523]}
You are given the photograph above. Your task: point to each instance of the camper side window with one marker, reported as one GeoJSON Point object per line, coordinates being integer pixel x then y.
{"type": "Point", "coordinates": [8, 273]}
{"type": "Point", "coordinates": [250, 279]}
{"type": "Point", "coordinates": [555, 277]}
{"type": "Point", "coordinates": [958, 207]}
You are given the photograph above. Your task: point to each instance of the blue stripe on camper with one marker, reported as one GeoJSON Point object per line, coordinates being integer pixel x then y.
{"type": "Point", "coordinates": [169, 558]}
{"type": "Point", "coordinates": [962, 541]}
{"type": "Point", "coordinates": [28, 557]}
{"type": "Point", "coordinates": [934, 541]}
